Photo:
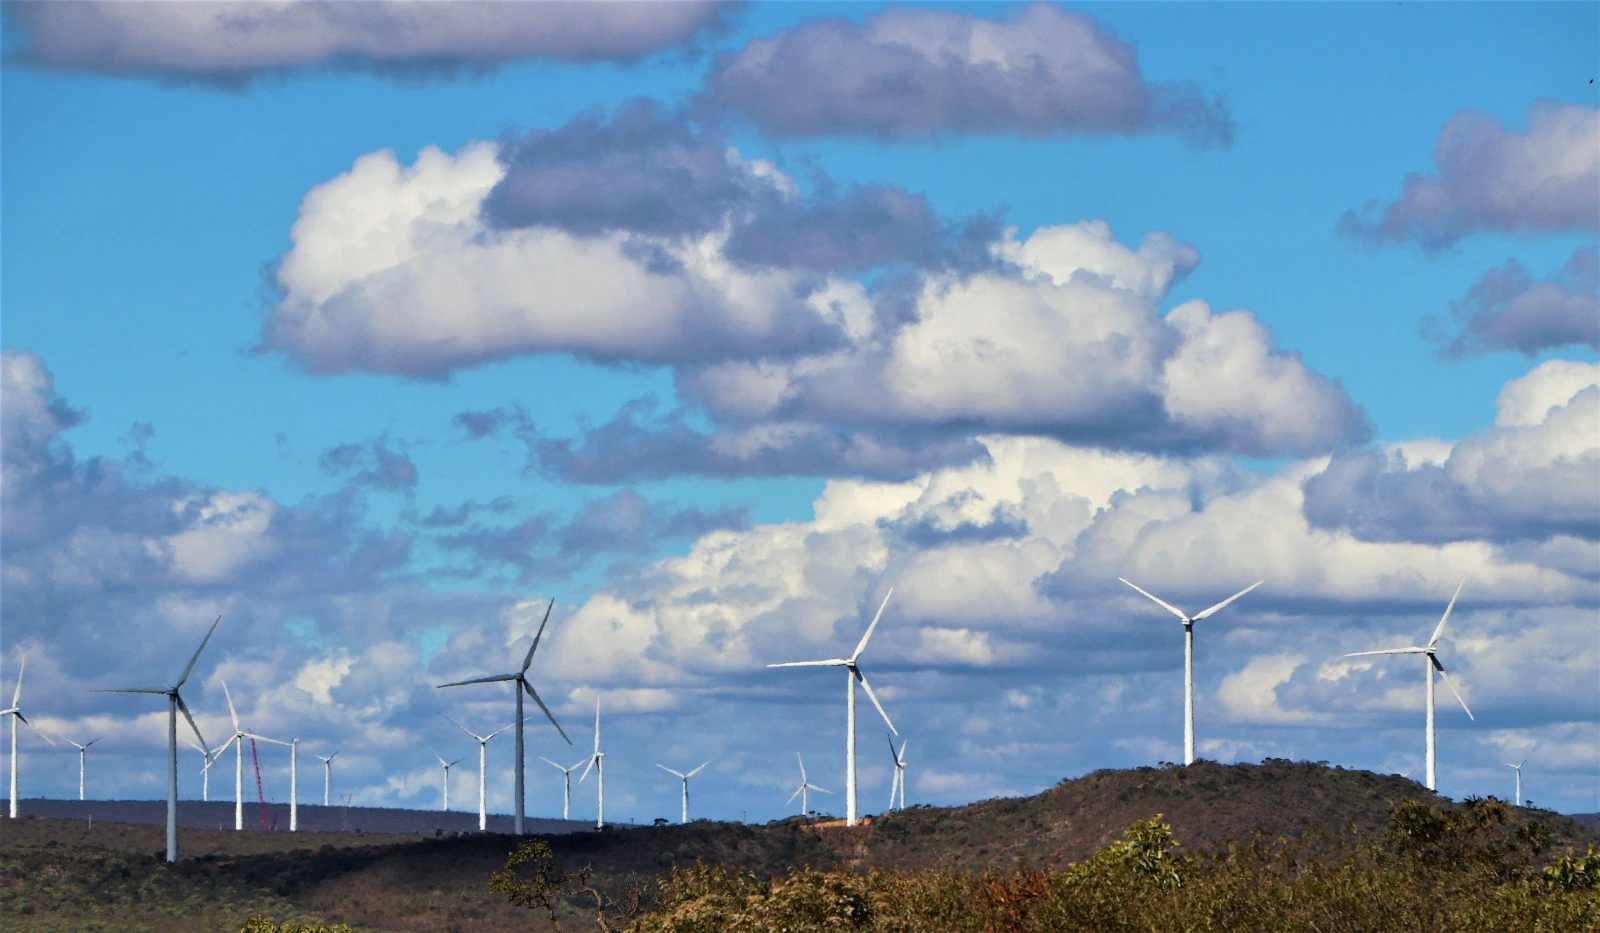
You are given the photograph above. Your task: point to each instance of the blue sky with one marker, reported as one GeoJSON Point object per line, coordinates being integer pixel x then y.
{"type": "Point", "coordinates": [148, 210]}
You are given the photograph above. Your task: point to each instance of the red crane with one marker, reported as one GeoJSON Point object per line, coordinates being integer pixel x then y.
{"type": "Point", "coordinates": [260, 794]}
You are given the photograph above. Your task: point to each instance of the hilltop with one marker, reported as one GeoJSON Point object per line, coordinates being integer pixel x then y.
{"type": "Point", "coordinates": [60, 875]}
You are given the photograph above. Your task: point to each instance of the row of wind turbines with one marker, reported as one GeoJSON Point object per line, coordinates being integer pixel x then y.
{"type": "Point", "coordinates": [595, 761]}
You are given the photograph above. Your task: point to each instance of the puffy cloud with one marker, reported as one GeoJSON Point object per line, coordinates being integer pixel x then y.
{"type": "Point", "coordinates": [1492, 178]}
{"type": "Point", "coordinates": [910, 73]}
{"type": "Point", "coordinates": [1534, 475]}
{"type": "Point", "coordinates": [1507, 310]}
{"type": "Point", "coordinates": [232, 43]}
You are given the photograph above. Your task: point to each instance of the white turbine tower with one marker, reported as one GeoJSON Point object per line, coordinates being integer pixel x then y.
{"type": "Point", "coordinates": [447, 766]}
{"type": "Point", "coordinates": [175, 705]}
{"type": "Point", "coordinates": [566, 785]}
{"type": "Point", "coordinates": [83, 751]}
{"type": "Point", "coordinates": [899, 783]}
{"type": "Point", "coordinates": [519, 683]}
{"type": "Point", "coordinates": [685, 779]}
{"type": "Point", "coordinates": [597, 760]}
{"type": "Point", "coordinates": [483, 757]}
{"type": "Point", "coordinates": [15, 712]}
{"type": "Point", "coordinates": [1188, 658]}
{"type": "Point", "coordinates": [1430, 665]}
{"type": "Point", "coordinates": [805, 785]}
{"type": "Point", "coordinates": [1518, 768]}
{"type": "Point", "coordinates": [237, 741]}
{"type": "Point", "coordinates": [327, 773]}
{"type": "Point", "coordinates": [852, 674]}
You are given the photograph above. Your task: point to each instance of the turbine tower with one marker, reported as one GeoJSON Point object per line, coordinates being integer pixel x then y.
{"type": "Point", "coordinates": [519, 683]}
{"type": "Point", "coordinates": [83, 751]}
{"type": "Point", "coordinates": [1188, 658]}
{"type": "Point", "coordinates": [899, 783]}
{"type": "Point", "coordinates": [15, 712]}
{"type": "Point", "coordinates": [483, 756]}
{"type": "Point", "coordinates": [447, 766]}
{"type": "Point", "coordinates": [852, 674]}
{"type": "Point", "coordinates": [327, 773]}
{"type": "Point", "coordinates": [805, 785]}
{"type": "Point", "coordinates": [685, 779]}
{"type": "Point", "coordinates": [1430, 665]}
{"type": "Point", "coordinates": [237, 741]}
{"type": "Point", "coordinates": [1515, 767]}
{"type": "Point", "coordinates": [566, 785]}
{"type": "Point", "coordinates": [597, 760]}
{"type": "Point", "coordinates": [175, 705]}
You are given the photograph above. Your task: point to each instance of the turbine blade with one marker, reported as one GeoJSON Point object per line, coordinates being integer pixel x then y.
{"type": "Point", "coordinates": [874, 698]}
{"type": "Point", "coordinates": [535, 646]}
{"type": "Point", "coordinates": [796, 793]}
{"type": "Point", "coordinates": [494, 733]}
{"type": "Point", "coordinates": [862, 645]}
{"type": "Point", "coordinates": [263, 738]}
{"type": "Point", "coordinates": [551, 763]}
{"type": "Point", "coordinates": [192, 661]}
{"type": "Point", "coordinates": [821, 790]}
{"type": "Point", "coordinates": [802, 767]}
{"type": "Point", "coordinates": [575, 765]}
{"type": "Point", "coordinates": [697, 770]}
{"type": "Point", "coordinates": [1446, 617]}
{"type": "Point", "coordinates": [1357, 654]}
{"type": "Point", "coordinates": [16, 695]}
{"type": "Point", "coordinates": [1451, 684]}
{"type": "Point", "coordinates": [454, 763]}
{"type": "Point", "coordinates": [901, 758]}
{"type": "Point", "coordinates": [161, 690]}
{"type": "Point", "coordinates": [184, 707]}
{"type": "Point", "coordinates": [1230, 599]}
{"type": "Point", "coordinates": [831, 662]}
{"type": "Point", "coordinates": [669, 770]}
{"type": "Point", "coordinates": [586, 768]}
{"type": "Point", "coordinates": [482, 680]}
{"type": "Point", "coordinates": [526, 686]}
{"type": "Point", "coordinates": [461, 727]}
{"type": "Point", "coordinates": [231, 711]}
{"type": "Point", "coordinates": [1158, 601]}
{"type": "Point", "coordinates": [42, 734]}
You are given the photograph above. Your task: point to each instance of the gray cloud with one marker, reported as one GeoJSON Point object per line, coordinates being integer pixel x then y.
{"type": "Point", "coordinates": [1490, 178]}
{"type": "Point", "coordinates": [235, 42]}
{"type": "Point", "coordinates": [373, 464]}
{"type": "Point", "coordinates": [911, 73]}
{"type": "Point", "coordinates": [1507, 310]}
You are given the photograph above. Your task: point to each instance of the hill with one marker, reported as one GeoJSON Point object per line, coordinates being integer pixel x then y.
{"type": "Point", "coordinates": [63, 875]}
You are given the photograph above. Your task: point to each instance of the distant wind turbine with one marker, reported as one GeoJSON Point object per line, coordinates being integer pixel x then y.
{"type": "Point", "coordinates": [83, 751]}
{"type": "Point", "coordinates": [207, 759]}
{"type": "Point", "coordinates": [519, 682]}
{"type": "Point", "coordinates": [852, 674]}
{"type": "Point", "coordinates": [327, 773]}
{"type": "Point", "coordinates": [483, 757]}
{"type": "Point", "coordinates": [237, 741]}
{"type": "Point", "coordinates": [1430, 665]}
{"type": "Point", "coordinates": [447, 766]}
{"type": "Point", "coordinates": [15, 712]}
{"type": "Point", "coordinates": [899, 783]}
{"type": "Point", "coordinates": [805, 785]}
{"type": "Point", "coordinates": [1188, 657]}
{"type": "Point", "coordinates": [566, 785]}
{"type": "Point", "coordinates": [685, 779]}
{"type": "Point", "coordinates": [175, 705]}
{"type": "Point", "coordinates": [1518, 768]}
{"type": "Point", "coordinates": [597, 761]}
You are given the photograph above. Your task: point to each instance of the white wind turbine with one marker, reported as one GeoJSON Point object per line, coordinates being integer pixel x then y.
{"type": "Point", "coordinates": [566, 785]}
{"type": "Point", "coordinates": [1188, 658]}
{"type": "Point", "coordinates": [483, 757]}
{"type": "Point", "coordinates": [852, 674]}
{"type": "Point", "coordinates": [15, 712]}
{"type": "Point", "coordinates": [447, 766]}
{"type": "Point", "coordinates": [685, 779]}
{"type": "Point", "coordinates": [237, 741]}
{"type": "Point", "coordinates": [327, 773]}
{"type": "Point", "coordinates": [175, 705]}
{"type": "Point", "coordinates": [207, 760]}
{"type": "Point", "coordinates": [519, 682]}
{"type": "Point", "coordinates": [805, 785]}
{"type": "Point", "coordinates": [597, 760]}
{"type": "Point", "coordinates": [1430, 665]}
{"type": "Point", "coordinates": [899, 783]}
{"type": "Point", "coordinates": [83, 751]}
{"type": "Point", "coordinates": [1518, 768]}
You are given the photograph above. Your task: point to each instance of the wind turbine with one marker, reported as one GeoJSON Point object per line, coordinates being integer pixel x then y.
{"type": "Point", "coordinates": [207, 759]}
{"type": "Point", "coordinates": [15, 712]}
{"type": "Point", "coordinates": [566, 785]}
{"type": "Point", "coordinates": [483, 755]}
{"type": "Point", "coordinates": [1518, 768]}
{"type": "Point", "coordinates": [805, 785]}
{"type": "Point", "coordinates": [175, 705]}
{"type": "Point", "coordinates": [447, 766]}
{"type": "Point", "coordinates": [852, 674]}
{"type": "Point", "coordinates": [237, 741]}
{"type": "Point", "coordinates": [327, 773]}
{"type": "Point", "coordinates": [597, 761]}
{"type": "Point", "coordinates": [685, 778]}
{"type": "Point", "coordinates": [1431, 664]}
{"type": "Point", "coordinates": [899, 783]}
{"type": "Point", "coordinates": [1188, 658]}
{"type": "Point", "coordinates": [83, 751]}
{"type": "Point", "coordinates": [519, 682]}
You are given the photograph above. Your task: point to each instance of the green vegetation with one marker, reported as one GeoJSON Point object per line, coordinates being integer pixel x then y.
{"type": "Point", "coordinates": [262, 924]}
